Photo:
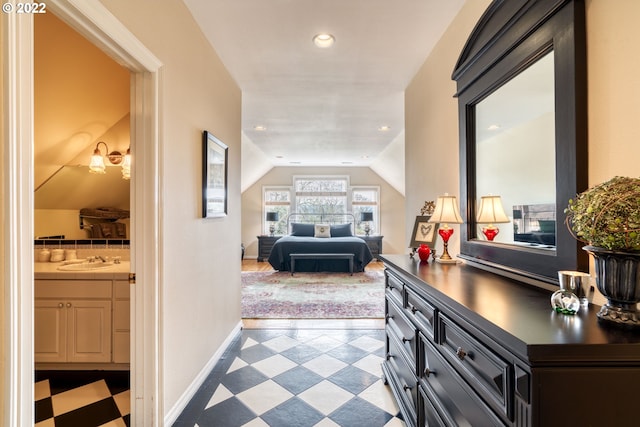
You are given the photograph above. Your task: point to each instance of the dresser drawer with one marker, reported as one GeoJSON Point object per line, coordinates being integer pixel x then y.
{"type": "Point", "coordinates": [431, 415]}
{"type": "Point", "coordinates": [406, 383]}
{"type": "Point", "coordinates": [403, 331]}
{"type": "Point", "coordinates": [423, 313]}
{"type": "Point", "coordinates": [485, 370]}
{"type": "Point", "coordinates": [394, 288]}
{"type": "Point", "coordinates": [459, 404]}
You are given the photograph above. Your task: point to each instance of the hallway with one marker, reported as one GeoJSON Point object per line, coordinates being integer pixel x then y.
{"type": "Point", "coordinates": [297, 378]}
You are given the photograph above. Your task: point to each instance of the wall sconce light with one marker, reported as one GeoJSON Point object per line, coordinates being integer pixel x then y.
{"type": "Point", "coordinates": [272, 218]}
{"type": "Point", "coordinates": [366, 217]}
{"type": "Point", "coordinates": [446, 212]}
{"type": "Point", "coordinates": [491, 212]}
{"type": "Point", "coordinates": [126, 165]}
{"type": "Point", "coordinates": [97, 165]}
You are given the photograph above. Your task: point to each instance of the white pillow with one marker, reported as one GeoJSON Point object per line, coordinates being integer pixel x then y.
{"type": "Point", "coordinates": [322, 230]}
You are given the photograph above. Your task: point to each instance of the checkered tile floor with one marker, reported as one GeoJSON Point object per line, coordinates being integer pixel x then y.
{"type": "Point", "coordinates": [297, 378]}
{"type": "Point", "coordinates": [80, 398]}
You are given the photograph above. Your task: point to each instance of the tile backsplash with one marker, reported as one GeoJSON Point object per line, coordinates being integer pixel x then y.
{"type": "Point", "coordinates": [87, 247]}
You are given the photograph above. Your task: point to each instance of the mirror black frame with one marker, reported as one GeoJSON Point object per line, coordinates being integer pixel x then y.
{"type": "Point", "coordinates": [510, 36]}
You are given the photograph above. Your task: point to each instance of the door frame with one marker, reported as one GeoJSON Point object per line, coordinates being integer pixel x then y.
{"type": "Point", "coordinates": [98, 25]}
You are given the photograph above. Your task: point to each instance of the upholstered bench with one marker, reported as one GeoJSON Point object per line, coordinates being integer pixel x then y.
{"type": "Point", "coordinates": [295, 257]}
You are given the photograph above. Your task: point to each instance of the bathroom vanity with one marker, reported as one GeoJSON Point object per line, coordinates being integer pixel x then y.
{"type": "Point", "coordinates": [81, 318]}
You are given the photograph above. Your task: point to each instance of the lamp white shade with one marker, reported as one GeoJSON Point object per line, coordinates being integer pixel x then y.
{"type": "Point", "coordinates": [491, 211]}
{"type": "Point", "coordinates": [446, 211]}
{"type": "Point", "coordinates": [97, 163]}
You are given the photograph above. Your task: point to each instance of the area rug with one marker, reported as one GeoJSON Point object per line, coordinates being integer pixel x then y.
{"type": "Point", "coordinates": [279, 295]}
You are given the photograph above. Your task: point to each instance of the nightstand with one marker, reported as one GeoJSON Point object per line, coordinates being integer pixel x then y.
{"type": "Point", "coordinates": [374, 243]}
{"type": "Point", "coordinates": [265, 243]}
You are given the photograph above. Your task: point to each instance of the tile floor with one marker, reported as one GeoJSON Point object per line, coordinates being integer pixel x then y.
{"type": "Point", "coordinates": [82, 399]}
{"type": "Point", "coordinates": [297, 378]}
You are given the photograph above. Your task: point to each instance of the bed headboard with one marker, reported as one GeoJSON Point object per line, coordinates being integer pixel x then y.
{"type": "Point", "coordinates": [322, 218]}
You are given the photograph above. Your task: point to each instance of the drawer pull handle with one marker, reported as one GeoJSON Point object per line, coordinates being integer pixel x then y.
{"type": "Point", "coordinates": [461, 353]}
{"type": "Point", "coordinates": [428, 372]}
{"type": "Point", "coordinates": [406, 339]}
{"type": "Point", "coordinates": [406, 387]}
{"type": "Point", "coordinates": [414, 309]}
{"type": "Point", "coordinates": [389, 316]}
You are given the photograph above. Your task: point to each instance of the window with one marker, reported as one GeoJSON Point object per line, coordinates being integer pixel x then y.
{"type": "Point", "coordinates": [365, 199]}
{"type": "Point", "coordinates": [276, 199]}
{"type": "Point", "coordinates": [321, 194]}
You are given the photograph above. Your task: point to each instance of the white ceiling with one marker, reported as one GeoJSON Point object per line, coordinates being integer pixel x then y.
{"type": "Point", "coordinates": [323, 107]}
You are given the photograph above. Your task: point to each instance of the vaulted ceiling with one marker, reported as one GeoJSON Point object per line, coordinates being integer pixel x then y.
{"type": "Point", "coordinates": [323, 107]}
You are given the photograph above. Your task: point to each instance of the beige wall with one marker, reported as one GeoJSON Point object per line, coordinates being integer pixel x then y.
{"type": "Point", "coordinates": [391, 204]}
{"type": "Point", "coordinates": [200, 259]}
{"type": "Point", "coordinates": [613, 64]}
{"type": "Point", "coordinates": [431, 122]}
{"type": "Point", "coordinates": [613, 110]}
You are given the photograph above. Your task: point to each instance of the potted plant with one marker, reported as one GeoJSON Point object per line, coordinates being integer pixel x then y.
{"type": "Point", "coordinates": [607, 218]}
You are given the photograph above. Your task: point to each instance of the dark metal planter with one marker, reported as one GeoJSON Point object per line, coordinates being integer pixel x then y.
{"type": "Point", "coordinates": [618, 279]}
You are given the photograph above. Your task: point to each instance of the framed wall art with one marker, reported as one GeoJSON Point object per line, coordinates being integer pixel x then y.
{"type": "Point", "coordinates": [214, 176]}
{"type": "Point", "coordinates": [423, 232]}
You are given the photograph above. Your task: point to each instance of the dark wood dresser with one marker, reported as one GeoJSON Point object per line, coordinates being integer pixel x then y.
{"type": "Point", "coordinates": [374, 243]}
{"type": "Point", "coordinates": [469, 347]}
{"type": "Point", "coordinates": [265, 243]}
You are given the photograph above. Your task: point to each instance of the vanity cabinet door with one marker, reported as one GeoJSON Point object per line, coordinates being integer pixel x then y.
{"type": "Point", "coordinates": [121, 322]}
{"type": "Point", "coordinates": [89, 331]}
{"type": "Point", "coordinates": [50, 331]}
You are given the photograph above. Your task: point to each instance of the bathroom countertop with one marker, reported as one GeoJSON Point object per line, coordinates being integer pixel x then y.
{"type": "Point", "coordinates": [49, 270]}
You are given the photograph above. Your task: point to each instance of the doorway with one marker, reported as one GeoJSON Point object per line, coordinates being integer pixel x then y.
{"type": "Point", "coordinates": [81, 323]}
{"type": "Point", "coordinates": [95, 23]}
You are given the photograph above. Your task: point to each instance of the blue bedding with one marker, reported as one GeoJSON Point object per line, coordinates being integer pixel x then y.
{"type": "Point", "coordinates": [285, 246]}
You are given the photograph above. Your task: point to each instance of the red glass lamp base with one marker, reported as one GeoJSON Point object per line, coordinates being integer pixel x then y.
{"type": "Point", "coordinates": [490, 233]}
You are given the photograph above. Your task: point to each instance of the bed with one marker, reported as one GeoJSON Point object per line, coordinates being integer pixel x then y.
{"type": "Point", "coordinates": [321, 235]}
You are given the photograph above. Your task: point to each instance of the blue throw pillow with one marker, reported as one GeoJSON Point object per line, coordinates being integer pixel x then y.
{"type": "Point", "coordinates": [341, 230]}
{"type": "Point", "coordinates": [302, 230]}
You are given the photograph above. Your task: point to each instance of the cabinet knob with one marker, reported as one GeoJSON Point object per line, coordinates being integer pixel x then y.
{"type": "Point", "coordinates": [428, 372]}
{"type": "Point", "coordinates": [406, 387]}
{"type": "Point", "coordinates": [68, 305]}
{"type": "Point", "coordinates": [406, 339]}
{"type": "Point", "coordinates": [414, 309]}
{"type": "Point", "coordinates": [389, 316]}
{"type": "Point", "coordinates": [60, 305]}
{"type": "Point", "coordinates": [461, 353]}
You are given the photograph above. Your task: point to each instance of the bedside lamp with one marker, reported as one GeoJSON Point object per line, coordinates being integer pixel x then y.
{"type": "Point", "coordinates": [491, 212]}
{"type": "Point", "coordinates": [446, 212]}
{"type": "Point", "coordinates": [366, 217]}
{"type": "Point", "coordinates": [272, 217]}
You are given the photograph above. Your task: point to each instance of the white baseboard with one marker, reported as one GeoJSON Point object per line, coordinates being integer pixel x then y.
{"type": "Point", "coordinates": [173, 414]}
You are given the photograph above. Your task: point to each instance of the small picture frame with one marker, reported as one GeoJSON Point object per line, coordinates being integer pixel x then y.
{"type": "Point", "coordinates": [214, 176]}
{"type": "Point", "coordinates": [424, 232]}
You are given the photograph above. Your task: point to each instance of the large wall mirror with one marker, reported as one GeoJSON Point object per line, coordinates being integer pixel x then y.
{"type": "Point", "coordinates": [522, 107]}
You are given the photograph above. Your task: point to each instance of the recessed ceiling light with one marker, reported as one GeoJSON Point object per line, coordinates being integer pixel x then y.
{"type": "Point", "coordinates": [384, 128]}
{"type": "Point", "coordinates": [260, 128]}
{"type": "Point", "coordinates": [323, 40]}
{"type": "Point", "coordinates": [493, 127]}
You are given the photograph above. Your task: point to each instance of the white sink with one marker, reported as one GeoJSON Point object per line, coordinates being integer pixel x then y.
{"type": "Point", "coordinates": [86, 266]}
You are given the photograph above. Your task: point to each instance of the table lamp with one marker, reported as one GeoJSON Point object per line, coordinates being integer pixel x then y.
{"type": "Point", "coordinates": [272, 218]}
{"type": "Point", "coordinates": [491, 212]}
{"type": "Point", "coordinates": [446, 212]}
{"type": "Point", "coordinates": [366, 217]}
